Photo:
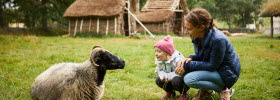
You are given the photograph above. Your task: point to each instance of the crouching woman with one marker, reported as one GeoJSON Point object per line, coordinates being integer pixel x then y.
{"type": "Point", "coordinates": [215, 64]}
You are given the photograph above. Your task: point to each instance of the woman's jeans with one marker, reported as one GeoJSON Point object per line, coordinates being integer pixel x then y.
{"type": "Point", "coordinates": [205, 80]}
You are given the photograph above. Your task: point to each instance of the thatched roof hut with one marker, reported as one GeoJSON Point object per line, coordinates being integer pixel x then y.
{"type": "Point", "coordinates": [271, 9]}
{"type": "Point", "coordinates": [164, 16]}
{"type": "Point", "coordinates": [102, 8]}
{"type": "Point", "coordinates": [97, 16]}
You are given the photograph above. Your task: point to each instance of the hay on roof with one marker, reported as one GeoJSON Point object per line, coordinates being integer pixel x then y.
{"type": "Point", "coordinates": [155, 16]}
{"type": "Point", "coordinates": [271, 9]}
{"type": "Point", "coordinates": [158, 4]}
{"type": "Point", "coordinates": [86, 8]}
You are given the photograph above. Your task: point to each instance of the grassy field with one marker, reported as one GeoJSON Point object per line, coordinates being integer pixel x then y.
{"type": "Point", "coordinates": [22, 58]}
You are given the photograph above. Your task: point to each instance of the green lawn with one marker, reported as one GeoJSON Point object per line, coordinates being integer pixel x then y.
{"type": "Point", "coordinates": [22, 58]}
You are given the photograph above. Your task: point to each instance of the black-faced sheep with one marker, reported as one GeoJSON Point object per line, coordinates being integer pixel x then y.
{"type": "Point", "coordinates": [76, 81]}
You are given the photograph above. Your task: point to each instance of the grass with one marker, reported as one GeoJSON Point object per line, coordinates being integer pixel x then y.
{"type": "Point", "coordinates": [22, 58]}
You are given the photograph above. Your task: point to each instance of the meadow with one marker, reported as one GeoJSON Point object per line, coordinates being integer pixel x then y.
{"type": "Point", "coordinates": [22, 58]}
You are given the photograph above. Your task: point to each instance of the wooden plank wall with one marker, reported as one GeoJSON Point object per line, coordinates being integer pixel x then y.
{"type": "Point", "coordinates": [95, 25]}
{"type": "Point", "coordinates": [156, 28]}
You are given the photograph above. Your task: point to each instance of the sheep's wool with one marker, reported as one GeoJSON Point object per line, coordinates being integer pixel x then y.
{"type": "Point", "coordinates": [76, 81]}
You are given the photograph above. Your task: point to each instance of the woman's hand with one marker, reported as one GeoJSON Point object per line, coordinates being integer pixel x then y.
{"type": "Point", "coordinates": [180, 67]}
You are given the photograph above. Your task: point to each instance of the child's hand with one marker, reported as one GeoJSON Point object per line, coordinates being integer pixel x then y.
{"type": "Point", "coordinates": [179, 70]}
{"type": "Point", "coordinates": [164, 80]}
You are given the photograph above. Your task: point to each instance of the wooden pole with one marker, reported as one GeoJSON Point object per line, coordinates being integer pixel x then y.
{"type": "Point", "coordinates": [129, 21]}
{"type": "Point", "coordinates": [107, 27]}
{"type": "Point", "coordinates": [162, 30]}
{"type": "Point", "coordinates": [89, 26]}
{"type": "Point", "coordinates": [133, 8]}
{"type": "Point", "coordinates": [140, 23]}
{"type": "Point", "coordinates": [271, 24]}
{"type": "Point", "coordinates": [97, 29]}
{"type": "Point", "coordinates": [115, 25]}
{"type": "Point", "coordinates": [76, 27]}
{"type": "Point", "coordinates": [69, 28]}
{"type": "Point", "coordinates": [182, 25]}
{"type": "Point", "coordinates": [158, 28]}
{"type": "Point", "coordinates": [81, 25]}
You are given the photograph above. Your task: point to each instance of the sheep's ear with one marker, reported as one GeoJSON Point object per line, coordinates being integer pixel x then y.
{"type": "Point", "coordinates": [96, 47]}
{"type": "Point", "coordinates": [96, 51]}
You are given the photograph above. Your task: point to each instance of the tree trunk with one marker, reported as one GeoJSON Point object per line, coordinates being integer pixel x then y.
{"type": "Point", "coordinates": [229, 24]}
{"type": "Point", "coordinates": [3, 23]}
{"type": "Point", "coordinates": [29, 21]}
{"type": "Point", "coordinates": [243, 19]}
{"type": "Point", "coordinates": [44, 17]}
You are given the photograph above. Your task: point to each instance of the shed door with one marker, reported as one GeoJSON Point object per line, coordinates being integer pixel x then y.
{"type": "Point", "coordinates": [126, 26]}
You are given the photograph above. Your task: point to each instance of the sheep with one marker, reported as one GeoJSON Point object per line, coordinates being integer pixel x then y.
{"type": "Point", "coordinates": [73, 81]}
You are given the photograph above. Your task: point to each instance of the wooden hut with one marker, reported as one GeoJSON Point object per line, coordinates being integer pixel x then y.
{"type": "Point", "coordinates": [97, 16]}
{"type": "Point", "coordinates": [271, 9]}
{"type": "Point", "coordinates": [163, 16]}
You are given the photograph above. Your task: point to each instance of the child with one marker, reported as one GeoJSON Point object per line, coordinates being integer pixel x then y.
{"type": "Point", "coordinates": [167, 58]}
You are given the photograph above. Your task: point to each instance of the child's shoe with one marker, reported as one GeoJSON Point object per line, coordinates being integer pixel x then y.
{"type": "Point", "coordinates": [168, 95]}
{"type": "Point", "coordinates": [226, 94]}
{"type": "Point", "coordinates": [201, 94]}
{"type": "Point", "coordinates": [184, 96]}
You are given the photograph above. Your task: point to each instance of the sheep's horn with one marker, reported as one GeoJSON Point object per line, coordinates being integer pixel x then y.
{"type": "Point", "coordinates": [95, 50]}
{"type": "Point", "coordinates": [97, 46]}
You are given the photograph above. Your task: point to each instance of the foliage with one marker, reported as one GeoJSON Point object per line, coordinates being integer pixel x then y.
{"type": "Point", "coordinates": [35, 13]}
{"type": "Point", "coordinates": [233, 12]}
{"type": "Point", "coordinates": [142, 3]}
{"type": "Point", "coordinates": [22, 58]}
{"type": "Point", "coordinates": [40, 13]}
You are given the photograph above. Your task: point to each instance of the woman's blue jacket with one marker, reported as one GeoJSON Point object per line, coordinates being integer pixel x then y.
{"type": "Point", "coordinates": [214, 52]}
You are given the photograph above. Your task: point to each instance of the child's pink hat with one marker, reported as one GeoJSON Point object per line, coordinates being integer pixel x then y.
{"type": "Point", "coordinates": [166, 45]}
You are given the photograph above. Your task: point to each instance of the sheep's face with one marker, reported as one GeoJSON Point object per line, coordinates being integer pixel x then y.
{"type": "Point", "coordinates": [104, 58]}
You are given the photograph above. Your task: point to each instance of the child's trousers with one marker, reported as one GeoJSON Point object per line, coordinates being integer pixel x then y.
{"type": "Point", "coordinates": [177, 83]}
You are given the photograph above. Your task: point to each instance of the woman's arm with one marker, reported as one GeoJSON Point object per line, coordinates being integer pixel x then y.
{"type": "Point", "coordinates": [195, 56]}
{"type": "Point", "coordinates": [217, 54]}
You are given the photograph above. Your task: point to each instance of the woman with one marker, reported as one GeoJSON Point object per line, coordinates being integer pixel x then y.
{"type": "Point", "coordinates": [215, 64]}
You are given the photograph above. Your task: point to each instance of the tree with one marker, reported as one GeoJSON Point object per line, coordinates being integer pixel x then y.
{"type": "Point", "coordinates": [227, 11]}
{"type": "Point", "coordinates": [142, 3]}
{"type": "Point", "coordinates": [33, 13]}
{"type": "Point", "coordinates": [233, 12]}
{"type": "Point", "coordinates": [3, 20]}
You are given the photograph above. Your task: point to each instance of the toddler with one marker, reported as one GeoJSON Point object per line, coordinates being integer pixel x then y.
{"type": "Point", "coordinates": [166, 60]}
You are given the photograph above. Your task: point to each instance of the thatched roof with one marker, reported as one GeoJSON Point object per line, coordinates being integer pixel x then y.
{"type": "Point", "coordinates": [271, 8]}
{"type": "Point", "coordinates": [158, 4]}
{"type": "Point", "coordinates": [155, 16]}
{"type": "Point", "coordinates": [85, 8]}
{"type": "Point", "coordinates": [156, 11]}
